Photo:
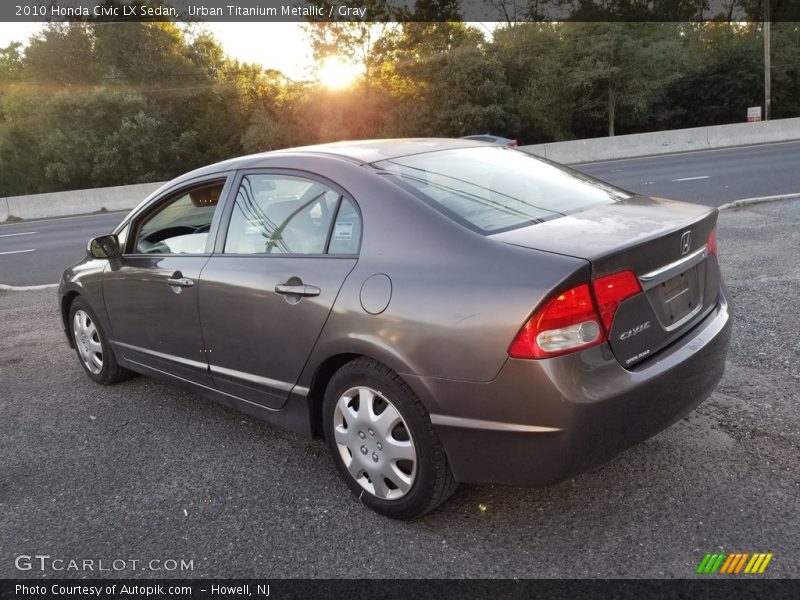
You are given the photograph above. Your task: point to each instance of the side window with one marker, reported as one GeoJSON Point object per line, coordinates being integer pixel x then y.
{"type": "Point", "coordinates": [282, 214]}
{"type": "Point", "coordinates": [181, 225]}
{"type": "Point", "coordinates": [346, 237]}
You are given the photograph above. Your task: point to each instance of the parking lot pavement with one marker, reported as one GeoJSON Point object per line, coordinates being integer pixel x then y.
{"type": "Point", "coordinates": [143, 471]}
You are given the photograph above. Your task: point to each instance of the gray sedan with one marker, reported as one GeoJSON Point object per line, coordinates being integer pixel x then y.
{"type": "Point", "coordinates": [439, 311]}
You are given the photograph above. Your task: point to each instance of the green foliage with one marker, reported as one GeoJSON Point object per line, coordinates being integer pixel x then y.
{"type": "Point", "coordinates": [469, 92]}
{"type": "Point", "coordinates": [60, 55]}
{"type": "Point", "coordinates": [92, 104]}
{"type": "Point", "coordinates": [530, 55]}
{"type": "Point", "coordinates": [785, 70]}
{"type": "Point", "coordinates": [724, 74]}
{"type": "Point", "coordinates": [10, 62]}
{"type": "Point", "coordinates": [619, 70]}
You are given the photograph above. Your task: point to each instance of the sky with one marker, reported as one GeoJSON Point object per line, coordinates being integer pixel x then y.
{"type": "Point", "coordinates": [281, 46]}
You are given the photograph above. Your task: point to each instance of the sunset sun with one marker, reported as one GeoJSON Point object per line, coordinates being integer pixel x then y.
{"type": "Point", "coordinates": [335, 73]}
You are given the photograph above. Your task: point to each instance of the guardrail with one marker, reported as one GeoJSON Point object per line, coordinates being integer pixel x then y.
{"type": "Point", "coordinates": [665, 142]}
{"type": "Point", "coordinates": [75, 202]}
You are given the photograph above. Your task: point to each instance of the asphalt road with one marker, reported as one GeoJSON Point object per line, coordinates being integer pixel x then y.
{"type": "Point", "coordinates": [711, 177]}
{"type": "Point", "coordinates": [142, 470]}
{"type": "Point", "coordinates": [36, 252]}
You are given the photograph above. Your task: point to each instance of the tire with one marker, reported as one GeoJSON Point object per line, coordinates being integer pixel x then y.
{"type": "Point", "coordinates": [92, 347]}
{"type": "Point", "coordinates": [382, 441]}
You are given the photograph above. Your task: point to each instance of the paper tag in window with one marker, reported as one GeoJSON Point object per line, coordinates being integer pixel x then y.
{"type": "Point", "coordinates": [343, 231]}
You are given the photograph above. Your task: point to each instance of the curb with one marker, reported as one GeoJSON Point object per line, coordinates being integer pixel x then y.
{"type": "Point", "coordinates": [758, 200]}
{"type": "Point", "coordinates": [26, 288]}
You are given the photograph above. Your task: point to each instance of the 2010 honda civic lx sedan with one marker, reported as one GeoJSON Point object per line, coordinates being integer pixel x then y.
{"type": "Point", "coordinates": [440, 311]}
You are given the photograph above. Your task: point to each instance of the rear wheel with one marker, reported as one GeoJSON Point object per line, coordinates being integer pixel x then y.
{"type": "Point", "coordinates": [92, 346]}
{"type": "Point", "coordinates": [383, 443]}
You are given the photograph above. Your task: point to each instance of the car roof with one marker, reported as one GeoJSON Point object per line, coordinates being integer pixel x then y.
{"type": "Point", "coordinates": [358, 152]}
{"type": "Point", "coordinates": [369, 151]}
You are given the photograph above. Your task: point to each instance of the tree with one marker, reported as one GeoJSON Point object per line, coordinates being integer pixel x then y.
{"type": "Point", "coordinates": [531, 61]}
{"type": "Point", "coordinates": [60, 55]}
{"type": "Point", "coordinates": [458, 93]}
{"type": "Point", "coordinates": [785, 70]}
{"type": "Point", "coordinates": [111, 103]}
{"type": "Point", "coordinates": [618, 69]}
{"type": "Point", "coordinates": [723, 76]}
{"type": "Point", "coordinates": [10, 63]}
{"type": "Point", "coordinates": [352, 41]}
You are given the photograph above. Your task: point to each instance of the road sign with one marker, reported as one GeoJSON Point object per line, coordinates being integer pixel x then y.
{"type": "Point", "coordinates": [753, 114]}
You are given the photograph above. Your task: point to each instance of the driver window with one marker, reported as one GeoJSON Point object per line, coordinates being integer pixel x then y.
{"type": "Point", "coordinates": [181, 225]}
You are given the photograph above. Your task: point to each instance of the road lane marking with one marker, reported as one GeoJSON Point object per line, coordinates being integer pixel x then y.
{"type": "Point", "coordinates": [18, 251]}
{"type": "Point", "coordinates": [691, 178]}
{"type": "Point", "coordinates": [12, 234]}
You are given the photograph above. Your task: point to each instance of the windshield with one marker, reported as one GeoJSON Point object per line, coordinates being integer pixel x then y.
{"type": "Point", "coordinates": [494, 189]}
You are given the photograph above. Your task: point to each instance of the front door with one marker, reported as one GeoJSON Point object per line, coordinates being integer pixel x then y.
{"type": "Point", "coordinates": [151, 293]}
{"type": "Point", "coordinates": [291, 242]}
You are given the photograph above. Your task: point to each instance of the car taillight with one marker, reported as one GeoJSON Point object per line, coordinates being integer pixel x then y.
{"type": "Point", "coordinates": [611, 290]}
{"type": "Point", "coordinates": [711, 242]}
{"type": "Point", "coordinates": [566, 323]}
{"type": "Point", "coordinates": [574, 319]}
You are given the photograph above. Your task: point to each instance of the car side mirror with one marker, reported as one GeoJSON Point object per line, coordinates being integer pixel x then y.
{"type": "Point", "coordinates": [105, 246]}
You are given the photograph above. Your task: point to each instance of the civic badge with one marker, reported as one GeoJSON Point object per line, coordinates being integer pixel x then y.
{"type": "Point", "coordinates": [686, 242]}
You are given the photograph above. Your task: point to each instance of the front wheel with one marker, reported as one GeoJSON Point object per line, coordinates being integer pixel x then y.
{"type": "Point", "coordinates": [92, 345]}
{"type": "Point", "coordinates": [383, 443]}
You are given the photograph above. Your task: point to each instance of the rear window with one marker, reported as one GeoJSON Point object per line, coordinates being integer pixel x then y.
{"type": "Point", "coordinates": [494, 189]}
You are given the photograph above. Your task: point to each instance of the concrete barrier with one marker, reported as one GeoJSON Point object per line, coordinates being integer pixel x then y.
{"type": "Point", "coordinates": [75, 202]}
{"type": "Point", "coordinates": [664, 142]}
{"type": "Point", "coordinates": [743, 134]}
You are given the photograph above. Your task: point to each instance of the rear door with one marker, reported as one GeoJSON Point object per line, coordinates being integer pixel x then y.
{"type": "Point", "coordinates": [287, 245]}
{"type": "Point", "coordinates": [151, 292]}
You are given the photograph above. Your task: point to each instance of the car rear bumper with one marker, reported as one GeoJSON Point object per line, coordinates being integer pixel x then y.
{"type": "Point", "coordinates": [542, 421]}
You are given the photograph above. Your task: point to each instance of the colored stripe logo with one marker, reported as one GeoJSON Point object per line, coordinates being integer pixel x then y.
{"type": "Point", "coordinates": [734, 563]}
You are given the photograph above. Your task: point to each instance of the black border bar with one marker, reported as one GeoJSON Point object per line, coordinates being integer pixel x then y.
{"type": "Point", "coordinates": [397, 10]}
{"type": "Point", "coordinates": [400, 589]}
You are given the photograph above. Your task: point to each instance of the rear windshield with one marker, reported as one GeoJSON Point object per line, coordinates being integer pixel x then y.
{"type": "Point", "coordinates": [494, 189]}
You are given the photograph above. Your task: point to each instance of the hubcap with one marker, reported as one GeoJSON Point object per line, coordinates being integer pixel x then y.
{"type": "Point", "coordinates": [375, 443]}
{"type": "Point", "coordinates": [87, 341]}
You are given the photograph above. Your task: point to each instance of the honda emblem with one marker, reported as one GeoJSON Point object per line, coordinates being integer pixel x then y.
{"type": "Point", "coordinates": [686, 242]}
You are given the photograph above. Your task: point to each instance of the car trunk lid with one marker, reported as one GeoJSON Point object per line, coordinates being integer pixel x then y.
{"type": "Point", "coordinates": [663, 242]}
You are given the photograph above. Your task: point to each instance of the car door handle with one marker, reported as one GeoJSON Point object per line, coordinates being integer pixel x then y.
{"type": "Point", "coordinates": [177, 280]}
{"type": "Point", "coordinates": [297, 290]}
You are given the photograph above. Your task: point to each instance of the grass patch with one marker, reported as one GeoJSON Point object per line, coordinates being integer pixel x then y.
{"type": "Point", "coordinates": [14, 219]}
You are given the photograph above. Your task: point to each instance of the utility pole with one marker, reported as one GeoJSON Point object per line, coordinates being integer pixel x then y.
{"type": "Point", "coordinates": [767, 66]}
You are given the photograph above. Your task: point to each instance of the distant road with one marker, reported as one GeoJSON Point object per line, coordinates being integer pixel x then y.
{"type": "Point", "coordinates": [36, 252]}
{"type": "Point", "coordinates": [711, 177]}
